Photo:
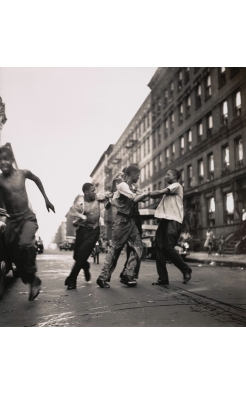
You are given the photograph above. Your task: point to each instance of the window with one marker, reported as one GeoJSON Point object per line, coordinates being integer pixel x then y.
{"type": "Point", "coordinates": [172, 122]}
{"type": "Point", "coordinates": [160, 161]}
{"type": "Point", "coordinates": [199, 130]}
{"type": "Point", "coordinates": [139, 153]}
{"type": "Point", "coordinates": [239, 153]}
{"type": "Point", "coordinates": [211, 211]}
{"type": "Point", "coordinates": [182, 145]}
{"type": "Point", "coordinates": [188, 104]}
{"type": "Point", "coordinates": [148, 145]}
{"type": "Point", "coordinates": [237, 104]}
{"type": "Point", "coordinates": [189, 135]}
{"type": "Point", "coordinates": [208, 87]}
{"type": "Point", "coordinates": [165, 128]}
{"type": "Point", "coordinates": [167, 155]}
{"type": "Point", "coordinates": [234, 71]}
{"type": "Point", "coordinates": [147, 171]}
{"type": "Point", "coordinates": [165, 101]}
{"type": "Point", "coordinates": [201, 171]}
{"type": "Point", "coordinates": [153, 113]}
{"type": "Point", "coordinates": [189, 173]}
{"type": "Point", "coordinates": [159, 134]}
{"type": "Point", "coordinates": [209, 125]}
{"type": "Point", "coordinates": [222, 76]}
{"type": "Point", "coordinates": [154, 139]}
{"type": "Point", "coordinates": [159, 185]}
{"type": "Point", "coordinates": [155, 165]}
{"type": "Point", "coordinates": [171, 89]}
{"type": "Point", "coordinates": [210, 167]}
{"type": "Point", "coordinates": [158, 107]}
{"type": "Point", "coordinates": [224, 113]}
{"type": "Point", "coordinates": [148, 119]}
{"type": "Point", "coordinates": [198, 96]}
{"type": "Point", "coordinates": [180, 80]}
{"type": "Point", "coordinates": [173, 150]}
{"type": "Point", "coordinates": [182, 177]}
{"type": "Point", "coordinates": [229, 208]}
{"type": "Point", "coordinates": [225, 158]}
{"type": "Point", "coordinates": [187, 75]}
{"type": "Point", "coordinates": [181, 110]}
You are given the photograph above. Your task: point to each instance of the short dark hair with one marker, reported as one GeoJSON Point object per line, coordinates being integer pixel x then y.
{"type": "Point", "coordinates": [176, 173]}
{"type": "Point", "coordinates": [132, 169]}
{"type": "Point", "coordinates": [7, 150]}
{"type": "Point", "coordinates": [87, 186]}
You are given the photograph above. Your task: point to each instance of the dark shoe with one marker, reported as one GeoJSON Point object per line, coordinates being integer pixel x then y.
{"type": "Point", "coordinates": [71, 286]}
{"type": "Point", "coordinates": [130, 282]}
{"type": "Point", "coordinates": [35, 288]}
{"type": "Point", "coordinates": [102, 283]}
{"type": "Point", "coordinates": [87, 274]}
{"type": "Point", "coordinates": [70, 283]}
{"type": "Point", "coordinates": [160, 282]}
{"type": "Point", "coordinates": [187, 276]}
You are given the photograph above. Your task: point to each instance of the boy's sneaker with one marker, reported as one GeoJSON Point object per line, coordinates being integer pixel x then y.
{"type": "Point", "coordinates": [187, 276]}
{"type": "Point", "coordinates": [102, 283]}
{"type": "Point", "coordinates": [35, 288]}
{"type": "Point", "coordinates": [70, 283]}
{"type": "Point", "coordinates": [130, 282]}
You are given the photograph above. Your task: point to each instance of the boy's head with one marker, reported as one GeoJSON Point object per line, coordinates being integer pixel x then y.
{"type": "Point", "coordinates": [89, 191]}
{"type": "Point", "coordinates": [133, 172]}
{"type": "Point", "coordinates": [6, 159]}
{"type": "Point", "coordinates": [172, 175]}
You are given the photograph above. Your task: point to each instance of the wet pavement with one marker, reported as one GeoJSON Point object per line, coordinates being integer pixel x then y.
{"type": "Point", "coordinates": [215, 296]}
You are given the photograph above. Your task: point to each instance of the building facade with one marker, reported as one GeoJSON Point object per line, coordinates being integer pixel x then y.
{"type": "Point", "coordinates": [199, 128]}
{"type": "Point", "coordinates": [194, 120]}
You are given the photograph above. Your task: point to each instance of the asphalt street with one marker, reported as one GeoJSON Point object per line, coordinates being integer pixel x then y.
{"type": "Point", "coordinates": [215, 296]}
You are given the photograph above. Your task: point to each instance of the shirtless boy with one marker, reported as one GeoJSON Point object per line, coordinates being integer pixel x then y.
{"type": "Point", "coordinates": [87, 234]}
{"type": "Point", "coordinates": [21, 225]}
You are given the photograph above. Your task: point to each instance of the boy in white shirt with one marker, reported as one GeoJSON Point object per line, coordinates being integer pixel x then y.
{"type": "Point", "coordinates": [170, 212]}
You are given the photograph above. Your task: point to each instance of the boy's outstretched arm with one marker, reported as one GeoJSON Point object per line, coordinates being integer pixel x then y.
{"type": "Point", "coordinates": [158, 193]}
{"type": "Point", "coordinates": [31, 176]}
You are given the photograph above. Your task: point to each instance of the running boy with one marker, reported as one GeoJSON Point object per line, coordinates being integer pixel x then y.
{"type": "Point", "coordinates": [170, 212]}
{"type": "Point", "coordinates": [22, 224]}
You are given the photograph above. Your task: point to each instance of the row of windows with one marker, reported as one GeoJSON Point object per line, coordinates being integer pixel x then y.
{"type": "Point", "coordinates": [211, 163]}
{"type": "Point", "coordinates": [229, 209]}
{"type": "Point", "coordinates": [206, 86]}
{"type": "Point", "coordinates": [185, 141]}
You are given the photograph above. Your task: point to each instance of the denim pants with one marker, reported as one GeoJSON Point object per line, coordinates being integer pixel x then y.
{"type": "Point", "coordinates": [167, 236]}
{"type": "Point", "coordinates": [124, 231]}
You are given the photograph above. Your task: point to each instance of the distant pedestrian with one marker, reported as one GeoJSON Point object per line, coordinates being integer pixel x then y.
{"type": "Point", "coordinates": [221, 245]}
{"type": "Point", "coordinates": [243, 222]}
{"type": "Point", "coordinates": [170, 212]}
{"type": "Point", "coordinates": [21, 225]}
{"type": "Point", "coordinates": [209, 241]}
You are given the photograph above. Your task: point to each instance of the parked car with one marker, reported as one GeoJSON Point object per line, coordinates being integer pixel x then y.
{"type": "Point", "coordinates": [65, 245]}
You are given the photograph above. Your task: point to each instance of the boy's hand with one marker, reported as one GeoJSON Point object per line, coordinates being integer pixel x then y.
{"type": "Point", "coordinates": [49, 206]}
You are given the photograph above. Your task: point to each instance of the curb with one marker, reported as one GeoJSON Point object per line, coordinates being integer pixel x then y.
{"type": "Point", "coordinates": [216, 263]}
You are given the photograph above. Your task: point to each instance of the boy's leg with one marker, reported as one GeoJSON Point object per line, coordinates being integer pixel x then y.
{"type": "Point", "coordinates": [122, 228]}
{"type": "Point", "coordinates": [28, 251]}
{"type": "Point", "coordinates": [161, 240]}
{"type": "Point", "coordinates": [132, 264]}
{"type": "Point", "coordinates": [173, 233]}
{"type": "Point", "coordinates": [87, 238]}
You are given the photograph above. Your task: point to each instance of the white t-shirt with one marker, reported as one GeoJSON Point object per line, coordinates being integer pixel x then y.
{"type": "Point", "coordinates": [171, 205]}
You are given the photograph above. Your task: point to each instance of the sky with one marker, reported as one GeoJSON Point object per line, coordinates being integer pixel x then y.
{"type": "Point", "coordinates": [59, 123]}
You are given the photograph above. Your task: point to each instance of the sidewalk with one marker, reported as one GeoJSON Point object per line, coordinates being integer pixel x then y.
{"type": "Point", "coordinates": [217, 260]}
